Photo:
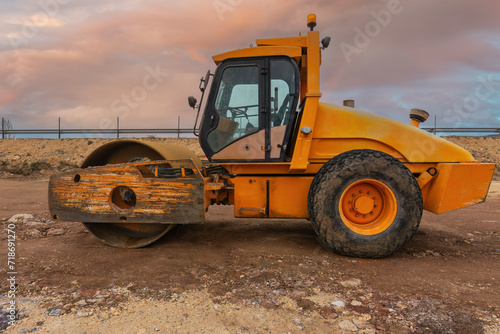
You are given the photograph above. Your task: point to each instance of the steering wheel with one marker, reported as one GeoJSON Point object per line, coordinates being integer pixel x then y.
{"type": "Point", "coordinates": [277, 118]}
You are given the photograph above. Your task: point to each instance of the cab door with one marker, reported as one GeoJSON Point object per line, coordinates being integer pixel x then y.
{"type": "Point", "coordinates": [283, 96]}
{"type": "Point", "coordinates": [244, 120]}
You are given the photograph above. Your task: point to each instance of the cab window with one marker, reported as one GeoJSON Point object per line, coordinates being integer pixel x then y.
{"type": "Point", "coordinates": [283, 90]}
{"type": "Point", "coordinates": [236, 105]}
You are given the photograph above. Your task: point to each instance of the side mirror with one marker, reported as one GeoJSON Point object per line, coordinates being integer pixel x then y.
{"type": "Point", "coordinates": [326, 41]}
{"type": "Point", "coordinates": [192, 102]}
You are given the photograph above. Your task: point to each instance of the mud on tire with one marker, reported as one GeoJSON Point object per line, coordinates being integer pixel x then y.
{"type": "Point", "coordinates": [364, 203]}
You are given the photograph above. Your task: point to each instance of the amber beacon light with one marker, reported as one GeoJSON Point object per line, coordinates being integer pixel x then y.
{"type": "Point", "coordinates": [311, 21]}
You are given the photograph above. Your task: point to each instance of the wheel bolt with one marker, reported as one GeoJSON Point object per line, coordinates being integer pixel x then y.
{"type": "Point", "coordinates": [375, 206]}
{"type": "Point", "coordinates": [361, 191]}
{"type": "Point", "coordinates": [371, 213]}
{"type": "Point", "coordinates": [357, 215]}
{"type": "Point", "coordinates": [364, 216]}
{"type": "Point", "coordinates": [353, 195]}
{"type": "Point", "coordinates": [374, 198]}
{"type": "Point", "coordinates": [368, 193]}
{"type": "Point", "coordinates": [351, 209]}
{"type": "Point", "coordinates": [350, 202]}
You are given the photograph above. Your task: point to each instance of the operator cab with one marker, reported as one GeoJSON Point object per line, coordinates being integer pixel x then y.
{"type": "Point", "coordinates": [250, 111]}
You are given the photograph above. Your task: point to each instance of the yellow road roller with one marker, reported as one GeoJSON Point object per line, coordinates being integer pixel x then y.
{"type": "Point", "coordinates": [275, 150]}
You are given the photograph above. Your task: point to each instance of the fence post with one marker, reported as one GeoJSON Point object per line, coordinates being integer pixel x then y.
{"type": "Point", "coordinates": [118, 128]}
{"type": "Point", "coordinates": [3, 129]}
{"type": "Point", "coordinates": [178, 126]}
{"type": "Point", "coordinates": [59, 128]}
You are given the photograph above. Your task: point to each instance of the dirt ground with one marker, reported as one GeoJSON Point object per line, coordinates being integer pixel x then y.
{"type": "Point", "coordinates": [38, 158]}
{"type": "Point", "coordinates": [238, 275]}
{"type": "Point", "coordinates": [249, 276]}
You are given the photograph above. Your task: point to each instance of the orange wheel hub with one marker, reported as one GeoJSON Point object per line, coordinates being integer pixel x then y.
{"type": "Point", "coordinates": [368, 207]}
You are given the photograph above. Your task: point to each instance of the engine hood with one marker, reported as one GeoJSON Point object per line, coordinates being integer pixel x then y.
{"type": "Point", "coordinates": [351, 128]}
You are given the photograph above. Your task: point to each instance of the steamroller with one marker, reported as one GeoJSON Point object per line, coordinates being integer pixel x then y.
{"type": "Point", "coordinates": [274, 150]}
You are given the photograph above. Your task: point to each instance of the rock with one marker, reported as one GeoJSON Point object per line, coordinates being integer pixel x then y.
{"type": "Point", "coordinates": [338, 303]}
{"type": "Point", "coordinates": [55, 231]}
{"type": "Point", "coordinates": [20, 218]}
{"type": "Point", "coordinates": [328, 313]}
{"type": "Point", "coordinates": [81, 303]}
{"type": "Point", "coordinates": [31, 330]}
{"type": "Point", "coordinates": [299, 323]}
{"type": "Point", "coordinates": [35, 234]}
{"type": "Point", "coordinates": [84, 314]}
{"type": "Point", "coordinates": [33, 287]}
{"type": "Point", "coordinates": [356, 303]}
{"type": "Point", "coordinates": [402, 305]}
{"type": "Point", "coordinates": [34, 223]}
{"type": "Point", "coordinates": [54, 312]}
{"type": "Point", "coordinates": [298, 293]}
{"type": "Point", "coordinates": [361, 324]}
{"type": "Point", "coordinates": [436, 254]}
{"type": "Point", "coordinates": [360, 309]}
{"type": "Point", "coordinates": [4, 320]}
{"type": "Point", "coordinates": [351, 283]}
{"type": "Point", "coordinates": [348, 326]}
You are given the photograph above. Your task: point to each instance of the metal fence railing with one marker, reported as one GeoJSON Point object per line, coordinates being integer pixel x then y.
{"type": "Point", "coordinates": [118, 132]}
{"type": "Point", "coordinates": [59, 132]}
{"type": "Point", "coordinates": [9, 132]}
{"type": "Point", "coordinates": [463, 130]}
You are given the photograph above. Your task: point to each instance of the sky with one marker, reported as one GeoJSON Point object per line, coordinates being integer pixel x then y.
{"type": "Point", "coordinates": [91, 61]}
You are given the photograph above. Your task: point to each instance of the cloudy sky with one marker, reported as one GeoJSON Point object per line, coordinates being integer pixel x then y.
{"type": "Point", "coordinates": [91, 61]}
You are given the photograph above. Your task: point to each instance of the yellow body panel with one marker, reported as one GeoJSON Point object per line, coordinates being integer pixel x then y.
{"type": "Point", "coordinates": [310, 90]}
{"type": "Point", "coordinates": [300, 41]}
{"type": "Point", "coordinates": [339, 129]}
{"type": "Point", "coordinates": [272, 197]}
{"type": "Point", "coordinates": [261, 51]}
{"type": "Point", "coordinates": [457, 186]}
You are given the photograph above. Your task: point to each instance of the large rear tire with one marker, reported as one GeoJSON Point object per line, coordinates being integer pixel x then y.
{"type": "Point", "coordinates": [128, 235]}
{"type": "Point", "coordinates": [365, 203]}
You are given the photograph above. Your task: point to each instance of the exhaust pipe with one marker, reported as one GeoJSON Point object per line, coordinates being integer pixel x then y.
{"type": "Point", "coordinates": [349, 103]}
